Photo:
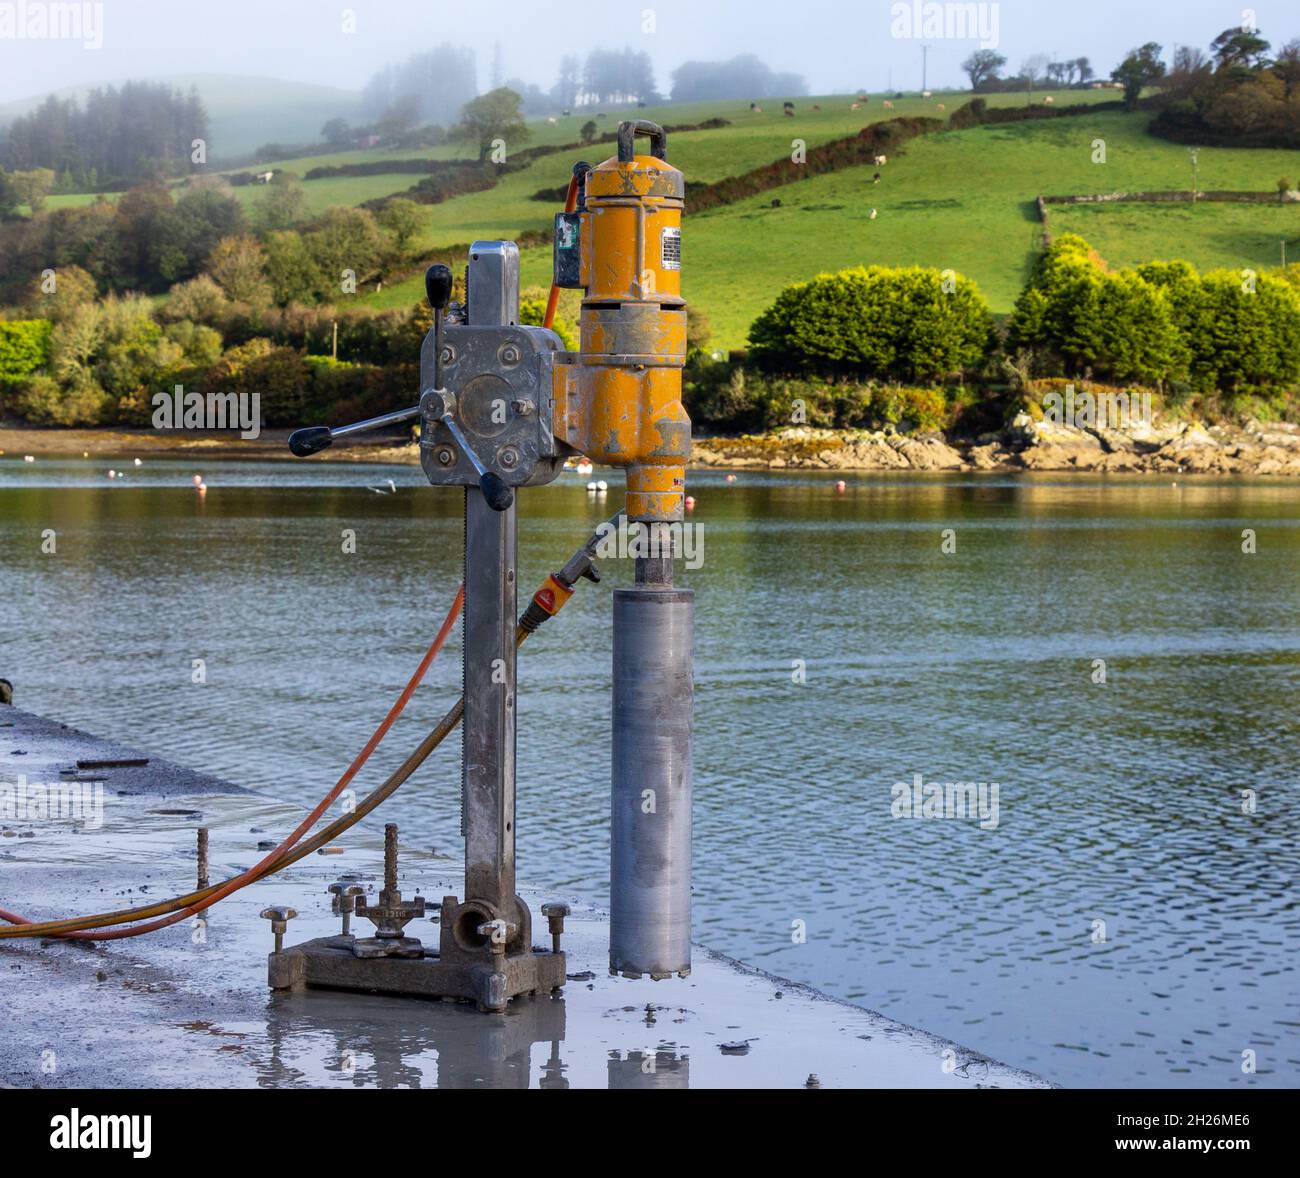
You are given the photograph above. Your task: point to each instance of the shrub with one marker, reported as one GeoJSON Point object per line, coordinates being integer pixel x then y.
{"type": "Point", "coordinates": [280, 375]}
{"type": "Point", "coordinates": [200, 300]}
{"type": "Point", "coordinates": [737, 398]}
{"type": "Point", "coordinates": [904, 324]}
{"type": "Point", "coordinates": [24, 348]}
{"type": "Point", "coordinates": [238, 265]}
{"type": "Point", "coordinates": [73, 287]}
{"type": "Point", "coordinates": [1249, 340]}
{"type": "Point", "coordinates": [533, 310]}
{"type": "Point", "coordinates": [42, 400]}
{"type": "Point", "coordinates": [1079, 319]}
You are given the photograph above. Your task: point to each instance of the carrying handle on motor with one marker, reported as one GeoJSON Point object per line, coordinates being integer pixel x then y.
{"type": "Point", "coordinates": [627, 133]}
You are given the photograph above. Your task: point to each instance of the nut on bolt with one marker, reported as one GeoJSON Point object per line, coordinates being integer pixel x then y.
{"type": "Point", "coordinates": [555, 914]}
{"type": "Point", "coordinates": [279, 916]}
{"type": "Point", "coordinates": [344, 903]}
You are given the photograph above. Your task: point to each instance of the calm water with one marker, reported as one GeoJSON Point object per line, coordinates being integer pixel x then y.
{"type": "Point", "coordinates": [1118, 802]}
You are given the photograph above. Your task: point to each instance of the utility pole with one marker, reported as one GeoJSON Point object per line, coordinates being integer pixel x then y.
{"type": "Point", "coordinates": [925, 68]}
{"type": "Point", "coordinates": [1195, 157]}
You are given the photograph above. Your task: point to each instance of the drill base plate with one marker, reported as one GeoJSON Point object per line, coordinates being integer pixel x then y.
{"type": "Point", "coordinates": [329, 963]}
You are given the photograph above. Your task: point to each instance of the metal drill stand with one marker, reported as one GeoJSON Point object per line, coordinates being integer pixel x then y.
{"type": "Point", "coordinates": [501, 406]}
{"type": "Point", "coordinates": [486, 416]}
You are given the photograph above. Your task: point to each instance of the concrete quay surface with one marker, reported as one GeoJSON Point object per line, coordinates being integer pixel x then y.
{"type": "Point", "coordinates": [189, 1007]}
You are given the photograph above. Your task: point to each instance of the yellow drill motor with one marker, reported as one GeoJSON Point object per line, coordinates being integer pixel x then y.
{"type": "Point", "coordinates": [619, 401]}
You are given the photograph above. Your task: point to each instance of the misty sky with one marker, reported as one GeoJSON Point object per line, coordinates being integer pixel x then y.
{"type": "Point", "coordinates": [836, 44]}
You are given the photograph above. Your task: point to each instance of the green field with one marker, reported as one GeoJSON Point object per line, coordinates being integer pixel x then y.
{"type": "Point", "coordinates": [1208, 236]}
{"type": "Point", "coordinates": [957, 199]}
{"type": "Point", "coordinates": [753, 139]}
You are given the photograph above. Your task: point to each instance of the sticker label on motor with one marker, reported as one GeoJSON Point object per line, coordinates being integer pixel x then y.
{"type": "Point", "coordinates": [670, 248]}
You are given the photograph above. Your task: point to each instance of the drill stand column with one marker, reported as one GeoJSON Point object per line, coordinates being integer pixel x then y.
{"type": "Point", "coordinates": [485, 403]}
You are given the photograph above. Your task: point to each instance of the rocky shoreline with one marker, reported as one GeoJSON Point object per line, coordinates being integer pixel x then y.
{"type": "Point", "coordinates": [1026, 445]}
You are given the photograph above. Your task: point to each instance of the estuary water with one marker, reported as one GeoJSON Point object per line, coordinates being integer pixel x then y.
{"type": "Point", "coordinates": [1119, 657]}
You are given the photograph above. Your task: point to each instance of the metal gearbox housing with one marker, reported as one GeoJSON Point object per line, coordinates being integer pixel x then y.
{"type": "Point", "coordinates": [500, 380]}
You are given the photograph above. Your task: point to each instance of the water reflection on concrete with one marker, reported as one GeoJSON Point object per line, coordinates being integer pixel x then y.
{"type": "Point", "coordinates": [373, 1042]}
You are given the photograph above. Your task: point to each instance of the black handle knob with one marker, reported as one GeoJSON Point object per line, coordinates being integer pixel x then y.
{"type": "Point", "coordinates": [311, 440]}
{"type": "Point", "coordinates": [495, 491]}
{"type": "Point", "coordinates": [437, 286]}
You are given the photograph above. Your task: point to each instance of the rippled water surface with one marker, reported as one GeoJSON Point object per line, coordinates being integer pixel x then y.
{"type": "Point", "coordinates": [1119, 802]}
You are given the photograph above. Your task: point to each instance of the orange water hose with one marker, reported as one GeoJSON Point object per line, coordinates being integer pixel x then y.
{"type": "Point", "coordinates": [254, 872]}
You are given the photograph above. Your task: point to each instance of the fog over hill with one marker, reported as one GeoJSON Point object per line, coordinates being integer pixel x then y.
{"type": "Point", "coordinates": [243, 112]}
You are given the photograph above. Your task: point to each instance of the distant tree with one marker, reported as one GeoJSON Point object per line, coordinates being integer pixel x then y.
{"type": "Point", "coordinates": [9, 201]}
{"type": "Point", "coordinates": [121, 135]}
{"type": "Point", "coordinates": [344, 239]}
{"type": "Point", "coordinates": [589, 130]}
{"type": "Point", "coordinates": [239, 267]}
{"type": "Point", "coordinates": [289, 266]}
{"type": "Point", "coordinates": [1084, 69]}
{"type": "Point", "coordinates": [1032, 69]}
{"type": "Point", "coordinates": [1287, 66]}
{"type": "Point", "coordinates": [200, 300]}
{"type": "Point", "coordinates": [619, 76]}
{"type": "Point", "coordinates": [33, 187]}
{"type": "Point", "coordinates": [281, 204]}
{"type": "Point", "coordinates": [73, 287]}
{"type": "Point", "coordinates": [402, 219]}
{"type": "Point", "coordinates": [337, 133]}
{"type": "Point", "coordinates": [1239, 48]}
{"type": "Point", "coordinates": [744, 76]}
{"type": "Point", "coordinates": [1141, 68]}
{"type": "Point", "coordinates": [533, 100]}
{"type": "Point", "coordinates": [491, 116]}
{"type": "Point", "coordinates": [440, 81]}
{"type": "Point", "coordinates": [400, 116]}
{"type": "Point", "coordinates": [565, 91]}
{"type": "Point", "coordinates": [204, 215]}
{"type": "Point", "coordinates": [983, 66]}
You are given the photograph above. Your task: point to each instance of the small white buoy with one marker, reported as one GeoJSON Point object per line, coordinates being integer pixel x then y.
{"type": "Point", "coordinates": [840, 486]}
{"type": "Point", "coordinates": [602, 486]}
{"type": "Point", "coordinates": [731, 478]}
{"type": "Point", "coordinates": [138, 462]}
{"type": "Point", "coordinates": [198, 480]}
{"type": "Point", "coordinates": [591, 487]}
{"type": "Point", "coordinates": [690, 502]}
{"type": "Point", "coordinates": [112, 474]}
{"type": "Point", "coordinates": [28, 458]}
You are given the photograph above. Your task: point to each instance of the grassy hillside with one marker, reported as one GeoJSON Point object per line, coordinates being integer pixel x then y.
{"type": "Point", "coordinates": [965, 200]}
{"type": "Point", "coordinates": [957, 199]}
{"type": "Point", "coordinates": [1208, 236]}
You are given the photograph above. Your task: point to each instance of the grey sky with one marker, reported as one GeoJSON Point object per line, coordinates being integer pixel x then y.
{"type": "Point", "coordinates": [835, 44]}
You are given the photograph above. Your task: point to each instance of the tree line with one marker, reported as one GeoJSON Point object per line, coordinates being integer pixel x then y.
{"type": "Point", "coordinates": [117, 136]}
{"type": "Point", "coordinates": [1237, 93]}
